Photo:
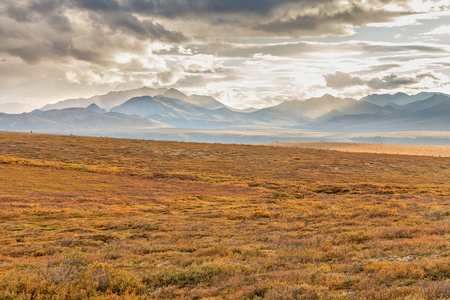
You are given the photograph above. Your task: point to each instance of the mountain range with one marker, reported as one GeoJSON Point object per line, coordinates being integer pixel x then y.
{"type": "Point", "coordinates": [148, 108]}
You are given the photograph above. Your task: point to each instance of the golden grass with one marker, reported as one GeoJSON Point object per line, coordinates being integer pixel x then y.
{"type": "Point", "coordinates": [438, 151]}
{"type": "Point", "coordinates": [97, 218]}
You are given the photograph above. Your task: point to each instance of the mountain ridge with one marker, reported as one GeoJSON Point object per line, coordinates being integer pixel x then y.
{"type": "Point", "coordinates": [172, 108]}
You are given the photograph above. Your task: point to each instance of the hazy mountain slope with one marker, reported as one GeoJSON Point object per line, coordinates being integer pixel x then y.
{"type": "Point", "coordinates": [16, 108]}
{"type": "Point", "coordinates": [77, 118]}
{"type": "Point", "coordinates": [398, 98]}
{"type": "Point", "coordinates": [179, 113]}
{"type": "Point", "coordinates": [354, 123]}
{"type": "Point", "coordinates": [173, 108]}
{"type": "Point", "coordinates": [107, 101]}
{"type": "Point", "coordinates": [440, 110]}
{"type": "Point", "coordinates": [24, 122]}
{"type": "Point", "coordinates": [197, 100]}
{"type": "Point", "coordinates": [206, 101]}
{"type": "Point", "coordinates": [205, 123]}
{"type": "Point", "coordinates": [427, 103]}
{"type": "Point", "coordinates": [317, 107]}
{"type": "Point", "coordinates": [226, 113]}
{"type": "Point", "coordinates": [148, 106]}
{"type": "Point", "coordinates": [277, 117]}
{"type": "Point", "coordinates": [432, 118]}
{"type": "Point", "coordinates": [37, 112]}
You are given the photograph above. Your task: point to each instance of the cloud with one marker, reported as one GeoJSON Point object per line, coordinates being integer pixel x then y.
{"type": "Point", "coordinates": [195, 66]}
{"type": "Point", "coordinates": [144, 29]}
{"type": "Point", "coordinates": [382, 68]}
{"type": "Point", "coordinates": [98, 5]}
{"type": "Point", "coordinates": [50, 12]}
{"type": "Point", "coordinates": [390, 82]}
{"type": "Point", "coordinates": [341, 80]}
{"type": "Point", "coordinates": [183, 8]}
{"type": "Point", "coordinates": [328, 19]}
{"type": "Point", "coordinates": [171, 76]}
{"type": "Point", "coordinates": [96, 30]}
{"type": "Point", "coordinates": [36, 30]}
{"type": "Point", "coordinates": [444, 29]}
{"type": "Point", "coordinates": [393, 81]}
{"type": "Point", "coordinates": [204, 19]}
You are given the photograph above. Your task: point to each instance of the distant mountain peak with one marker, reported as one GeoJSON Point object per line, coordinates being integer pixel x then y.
{"type": "Point", "coordinates": [96, 108]}
{"type": "Point", "coordinates": [439, 96]}
{"type": "Point", "coordinates": [107, 101]}
{"type": "Point", "coordinates": [398, 98]}
{"type": "Point", "coordinates": [327, 96]}
{"type": "Point", "coordinates": [36, 112]}
{"type": "Point", "coordinates": [176, 94]}
{"type": "Point", "coordinates": [93, 106]}
{"type": "Point", "coordinates": [206, 101]}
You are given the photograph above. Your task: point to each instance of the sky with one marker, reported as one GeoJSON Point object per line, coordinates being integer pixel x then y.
{"type": "Point", "coordinates": [245, 53]}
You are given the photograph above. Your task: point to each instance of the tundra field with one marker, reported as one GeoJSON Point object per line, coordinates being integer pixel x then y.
{"type": "Point", "coordinates": [439, 151]}
{"type": "Point", "coordinates": [101, 218]}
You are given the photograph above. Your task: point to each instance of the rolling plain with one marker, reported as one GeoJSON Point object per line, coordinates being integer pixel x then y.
{"type": "Point", "coordinates": [103, 218]}
{"type": "Point", "coordinates": [419, 150]}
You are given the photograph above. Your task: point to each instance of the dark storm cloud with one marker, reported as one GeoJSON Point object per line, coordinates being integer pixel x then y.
{"type": "Point", "coordinates": [98, 5]}
{"type": "Point", "coordinates": [31, 53]}
{"type": "Point", "coordinates": [142, 29]}
{"type": "Point", "coordinates": [47, 11]}
{"type": "Point", "coordinates": [59, 23]}
{"type": "Point", "coordinates": [334, 21]}
{"type": "Point", "coordinates": [177, 8]}
{"type": "Point", "coordinates": [289, 17]}
{"type": "Point", "coordinates": [84, 29]}
{"type": "Point", "coordinates": [341, 80]}
{"type": "Point", "coordinates": [59, 48]}
{"type": "Point", "coordinates": [18, 13]}
{"type": "Point", "coordinates": [44, 6]}
{"type": "Point", "coordinates": [122, 18]}
{"type": "Point", "coordinates": [41, 29]}
{"type": "Point", "coordinates": [26, 11]}
{"type": "Point", "coordinates": [183, 8]}
{"type": "Point", "coordinates": [317, 17]}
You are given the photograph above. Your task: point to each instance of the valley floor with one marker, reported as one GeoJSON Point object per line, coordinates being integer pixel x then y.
{"type": "Point", "coordinates": [102, 218]}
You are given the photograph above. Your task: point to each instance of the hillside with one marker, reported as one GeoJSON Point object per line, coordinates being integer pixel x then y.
{"type": "Point", "coordinates": [102, 218]}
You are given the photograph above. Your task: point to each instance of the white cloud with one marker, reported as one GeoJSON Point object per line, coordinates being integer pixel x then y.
{"type": "Point", "coordinates": [445, 29]}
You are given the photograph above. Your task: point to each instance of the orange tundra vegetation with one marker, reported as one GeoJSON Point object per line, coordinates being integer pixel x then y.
{"type": "Point", "coordinates": [100, 218]}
